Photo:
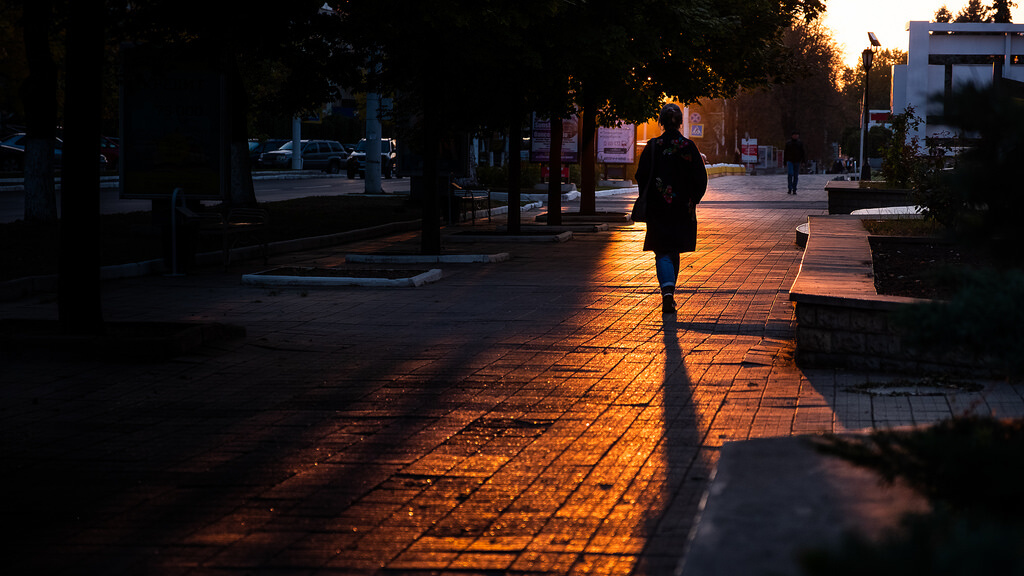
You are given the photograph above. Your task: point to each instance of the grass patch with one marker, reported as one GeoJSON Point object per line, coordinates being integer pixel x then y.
{"type": "Point", "coordinates": [32, 250]}
{"type": "Point", "coordinates": [876, 185]}
{"type": "Point", "coordinates": [904, 227]}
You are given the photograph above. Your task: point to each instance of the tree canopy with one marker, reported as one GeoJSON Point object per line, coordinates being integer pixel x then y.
{"type": "Point", "coordinates": [292, 56]}
{"type": "Point", "coordinates": [975, 11]}
{"type": "Point", "coordinates": [634, 54]}
{"type": "Point", "coordinates": [475, 62]}
{"type": "Point", "coordinates": [881, 77]}
{"type": "Point", "coordinates": [806, 97]}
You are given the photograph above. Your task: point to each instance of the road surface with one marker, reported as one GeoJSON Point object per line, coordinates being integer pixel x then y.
{"type": "Point", "coordinates": [12, 199]}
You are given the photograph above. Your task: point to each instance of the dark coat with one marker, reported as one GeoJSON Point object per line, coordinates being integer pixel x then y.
{"type": "Point", "coordinates": [794, 152]}
{"type": "Point", "coordinates": [674, 185]}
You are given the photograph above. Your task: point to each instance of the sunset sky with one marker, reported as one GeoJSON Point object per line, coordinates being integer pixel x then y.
{"type": "Point", "coordinates": [851, 20]}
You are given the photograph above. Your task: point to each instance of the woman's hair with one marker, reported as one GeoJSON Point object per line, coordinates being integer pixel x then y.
{"type": "Point", "coordinates": [671, 116]}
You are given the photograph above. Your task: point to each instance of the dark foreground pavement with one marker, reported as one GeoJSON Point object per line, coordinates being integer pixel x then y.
{"type": "Point", "coordinates": [534, 416]}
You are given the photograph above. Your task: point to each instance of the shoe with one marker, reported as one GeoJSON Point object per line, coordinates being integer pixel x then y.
{"type": "Point", "coordinates": [668, 305]}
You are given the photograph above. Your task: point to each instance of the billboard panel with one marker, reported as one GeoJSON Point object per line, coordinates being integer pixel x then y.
{"type": "Point", "coordinates": [616, 145]}
{"type": "Point", "coordinates": [173, 125]}
{"type": "Point", "coordinates": [540, 143]}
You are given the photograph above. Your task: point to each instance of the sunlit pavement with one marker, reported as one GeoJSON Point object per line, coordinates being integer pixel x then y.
{"type": "Point", "coordinates": [536, 416]}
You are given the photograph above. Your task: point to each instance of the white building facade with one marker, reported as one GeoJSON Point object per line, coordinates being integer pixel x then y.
{"type": "Point", "coordinates": [942, 57]}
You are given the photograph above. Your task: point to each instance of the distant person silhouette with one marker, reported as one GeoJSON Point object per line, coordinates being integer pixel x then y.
{"type": "Point", "coordinates": [793, 156]}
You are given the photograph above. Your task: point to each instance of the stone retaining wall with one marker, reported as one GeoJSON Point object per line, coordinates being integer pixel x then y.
{"type": "Point", "coordinates": [842, 322]}
{"type": "Point", "coordinates": [843, 336]}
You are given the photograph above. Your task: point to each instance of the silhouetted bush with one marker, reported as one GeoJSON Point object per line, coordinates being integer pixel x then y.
{"type": "Point", "coordinates": [980, 199]}
{"type": "Point", "coordinates": [983, 320]}
{"type": "Point", "coordinates": [970, 470]}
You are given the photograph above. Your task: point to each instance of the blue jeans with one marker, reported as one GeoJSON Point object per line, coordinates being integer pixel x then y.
{"type": "Point", "coordinates": [792, 175]}
{"type": "Point", "coordinates": [666, 265]}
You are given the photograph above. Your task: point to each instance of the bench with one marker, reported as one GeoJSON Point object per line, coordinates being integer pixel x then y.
{"type": "Point", "coordinates": [231, 227]}
{"type": "Point", "coordinates": [460, 197]}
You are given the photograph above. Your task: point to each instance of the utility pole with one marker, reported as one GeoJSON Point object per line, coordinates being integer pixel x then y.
{"type": "Point", "coordinates": [296, 143]}
{"type": "Point", "coordinates": [372, 174]}
{"type": "Point", "coordinates": [866, 56]}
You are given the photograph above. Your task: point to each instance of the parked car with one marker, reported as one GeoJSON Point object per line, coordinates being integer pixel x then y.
{"type": "Point", "coordinates": [111, 151]}
{"type": "Point", "coordinates": [12, 158]}
{"type": "Point", "coordinates": [257, 147]}
{"type": "Point", "coordinates": [388, 159]}
{"type": "Point", "coordinates": [326, 155]}
{"type": "Point", "coordinates": [18, 141]}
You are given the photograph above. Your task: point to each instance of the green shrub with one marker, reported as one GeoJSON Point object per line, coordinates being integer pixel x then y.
{"type": "Point", "coordinates": [496, 177]}
{"type": "Point", "coordinates": [983, 319]}
{"type": "Point", "coordinates": [902, 164]}
{"type": "Point", "coordinates": [492, 176]}
{"type": "Point", "coordinates": [969, 465]}
{"type": "Point", "coordinates": [970, 470]}
{"type": "Point", "coordinates": [939, 543]}
{"type": "Point", "coordinates": [980, 198]}
{"type": "Point", "coordinates": [530, 175]}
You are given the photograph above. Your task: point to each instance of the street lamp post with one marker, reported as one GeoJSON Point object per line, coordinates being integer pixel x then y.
{"type": "Point", "coordinates": [867, 55]}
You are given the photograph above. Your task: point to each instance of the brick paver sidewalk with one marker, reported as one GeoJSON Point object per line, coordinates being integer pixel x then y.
{"type": "Point", "coordinates": [536, 416]}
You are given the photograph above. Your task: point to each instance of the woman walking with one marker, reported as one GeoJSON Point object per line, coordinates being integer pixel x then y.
{"type": "Point", "coordinates": [671, 174]}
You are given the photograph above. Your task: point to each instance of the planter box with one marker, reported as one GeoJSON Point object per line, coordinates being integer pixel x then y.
{"type": "Point", "coordinates": [845, 196]}
{"type": "Point", "coordinates": [842, 322]}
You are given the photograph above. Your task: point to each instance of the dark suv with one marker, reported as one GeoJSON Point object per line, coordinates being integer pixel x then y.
{"type": "Point", "coordinates": [388, 159]}
{"type": "Point", "coordinates": [327, 155]}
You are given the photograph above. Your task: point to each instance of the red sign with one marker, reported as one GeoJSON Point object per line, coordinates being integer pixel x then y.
{"type": "Point", "coordinates": [879, 116]}
{"type": "Point", "coordinates": [545, 170]}
{"type": "Point", "coordinates": [748, 150]}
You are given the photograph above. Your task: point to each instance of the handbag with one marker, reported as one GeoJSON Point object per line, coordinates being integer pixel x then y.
{"type": "Point", "coordinates": [639, 213]}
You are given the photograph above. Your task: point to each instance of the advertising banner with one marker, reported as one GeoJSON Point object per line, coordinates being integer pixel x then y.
{"type": "Point", "coordinates": [174, 125]}
{"type": "Point", "coordinates": [616, 145]}
{"type": "Point", "coordinates": [748, 150]}
{"type": "Point", "coordinates": [540, 143]}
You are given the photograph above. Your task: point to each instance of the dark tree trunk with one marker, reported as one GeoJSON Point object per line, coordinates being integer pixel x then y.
{"type": "Point", "coordinates": [240, 188]}
{"type": "Point", "coordinates": [79, 305]}
{"type": "Point", "coordinates": [588, 157]}
{"type": "Point", "coordinates": [555, 175]}
{"type": "Point", "coordinates": [433, 190]}
{"type": "Point", "coordinates": [40, 96]}
{"type": "Point", "coordinates": [515, 163]}
{"type": "Point", "coordinates": [430, 237]}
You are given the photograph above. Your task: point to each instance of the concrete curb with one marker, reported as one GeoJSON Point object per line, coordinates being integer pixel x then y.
{"type": "Point", "coordinates": [597, 227]}
{"type": "Point", "coordinates": [557, 237]}
{"type": "Point", "coordinates": [262, 279]}
{"type": "Point", "coordinates": [426, 259]}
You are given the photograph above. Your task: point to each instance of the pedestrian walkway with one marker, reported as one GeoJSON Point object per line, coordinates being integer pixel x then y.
{"type": "Point", "coordinates": [533, 416]}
